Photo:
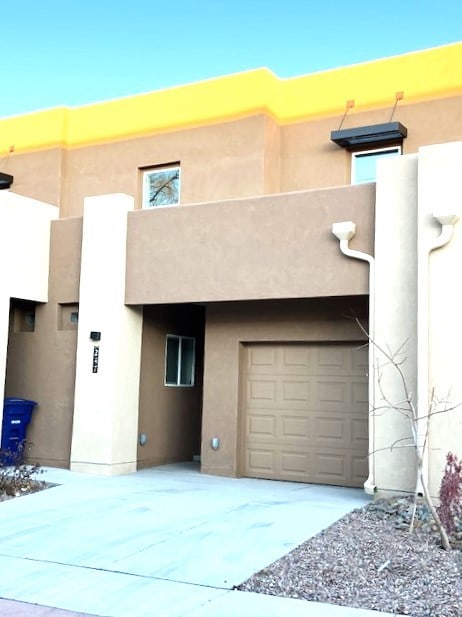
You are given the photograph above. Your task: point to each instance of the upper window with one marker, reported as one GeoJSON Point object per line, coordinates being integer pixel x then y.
{"type": "Point", "coordinates": [179, 360]}
{"type": "Point", "coordinates": [161, 187]}
{"type": "Point", "coordinates": [363, 164]}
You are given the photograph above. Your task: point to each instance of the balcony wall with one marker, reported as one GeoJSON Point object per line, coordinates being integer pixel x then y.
{"type": "Point", "coordinates": [277, 246]}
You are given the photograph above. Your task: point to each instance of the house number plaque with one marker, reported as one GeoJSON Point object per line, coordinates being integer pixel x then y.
{"type": "Point", "coordinates": [95, 358]}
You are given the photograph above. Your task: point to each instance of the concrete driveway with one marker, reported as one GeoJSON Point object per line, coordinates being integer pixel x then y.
{"type": "Point", "coordinates": [167, 542]}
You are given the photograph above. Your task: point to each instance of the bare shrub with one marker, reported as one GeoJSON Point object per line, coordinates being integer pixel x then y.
{"type": "Point", "coordinates": [16, 477]}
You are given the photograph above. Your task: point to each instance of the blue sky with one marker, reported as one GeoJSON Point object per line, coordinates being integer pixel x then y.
{"type": "Point", "coordinates": [73, 52]}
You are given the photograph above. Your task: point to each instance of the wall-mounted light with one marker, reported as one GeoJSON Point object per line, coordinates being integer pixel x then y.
{"type": "Point", "coordinates": [95, 336]}
{"type": "Point", "coordinates": [374, 135]}
{"type": "Point", "coordinates": [6, 180]}
{"type": "Point", "coordinates": [143, 439]}
{"type": "Point", "coordinates": [215, 443]}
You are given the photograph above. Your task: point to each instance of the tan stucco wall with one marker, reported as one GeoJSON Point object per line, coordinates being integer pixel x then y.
{"type": "Point", "coordinates": [271, 247]}
{"type": "Point", "coordinates": [230, 159]}
{"type": "Point", "coordinates": [38, 174]}
{"type": "Point", "coordinates": [222, 161]}
{"type": "Point", "coordinates": [310, 160]}
{"type": "Point", "coordinates": [170, 417]}
{"type": "Point", "coordinates": [229, 325]}
{"type": "Point", "coordinates": [41, 364]}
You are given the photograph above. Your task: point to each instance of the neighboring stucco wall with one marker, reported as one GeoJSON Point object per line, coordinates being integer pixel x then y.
{"type": "Point", "coordinates": [230, 324]}
{"type": "Point", "coordinates": [106, 399]}
{"type": "Point", "coordinates": [267, 248]}
{"type": "Point", "coordinates": [41, 364]}
{"type": "Point", "coordinates": [170, 417]}
{"type": "Point", "coordinates": [24, 254]}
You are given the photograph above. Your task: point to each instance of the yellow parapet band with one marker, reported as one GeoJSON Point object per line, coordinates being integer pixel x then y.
{"type": "Point", "coordinates": [421, 75]}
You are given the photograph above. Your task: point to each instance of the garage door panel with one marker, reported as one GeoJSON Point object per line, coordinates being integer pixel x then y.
{"type": "Point", "coordinates": [331, 392]}
{"type": "Point", "coordinates": [278, 429]}
{"type": "Point", "coordinates": [262, 357]}
{"type": "Point", "coordinates": [331, 431]}
{"type": "Point", "coordinates": [360, 395]}
{"type": "Point", "coordinates": [359, 433]}
{"type": "Point", "coordinates": [260, 461]}
{"type": "Point", "coordinates": [360, 358]}
{"type": "Point", "coordinates": [306, 413]}
{"type": "Point", "coordinates": [296, 356]}
{"type": "Point", "coordinates": [261, 390]}
{"type": "Point", "coordinates": [359, 465]}
{"type": "Point", "coordinates": [295, 391]}
{"type": "Point", "coordinates": [333, 357]}
{"type": "Point", "coordinates": [262, 425]}
{"type": "Point", "coordinates": [295, 463]}
{"type": "Point", "coordinates": [294, 427]}
{"type": "Point", "coordinates": [329, 468]}
{"type": "Point", "coordinates": [273, 393]}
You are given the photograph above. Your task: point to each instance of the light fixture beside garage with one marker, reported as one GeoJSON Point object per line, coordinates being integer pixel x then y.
{"type": "Point", "coordinates": [143, 439]}
{"type": "Point", "coordinates": [6, 180]}
{"type": "Point", "coordinates": [215, 443]}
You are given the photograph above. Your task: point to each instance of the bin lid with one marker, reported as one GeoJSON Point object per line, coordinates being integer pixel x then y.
{"type": "Point", "coordinates": [16, 400]}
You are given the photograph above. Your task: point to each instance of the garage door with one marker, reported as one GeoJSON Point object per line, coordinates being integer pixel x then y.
{"type": "Point", "coordinates": [306, 413]}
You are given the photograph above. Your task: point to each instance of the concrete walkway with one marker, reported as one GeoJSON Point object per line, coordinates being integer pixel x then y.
{"type": "Point", "coordinates": [164, 542]}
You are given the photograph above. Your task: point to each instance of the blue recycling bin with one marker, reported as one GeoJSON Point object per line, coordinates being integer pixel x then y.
{"type": "Point", "coordinates": [17, 413]}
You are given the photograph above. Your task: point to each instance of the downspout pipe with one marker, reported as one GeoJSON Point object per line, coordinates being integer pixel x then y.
{"type": "Point", "coordinates": [344, 232]}
{"type": "Point", "coordinates": [447, 222]}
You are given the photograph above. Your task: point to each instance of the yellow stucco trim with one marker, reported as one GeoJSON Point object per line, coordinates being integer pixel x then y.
{"type": "Point", "coordinates": [421, 75]}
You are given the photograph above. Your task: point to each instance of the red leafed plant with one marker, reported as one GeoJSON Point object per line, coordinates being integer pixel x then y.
{"type": "Point", "coordinates": [450, 508]}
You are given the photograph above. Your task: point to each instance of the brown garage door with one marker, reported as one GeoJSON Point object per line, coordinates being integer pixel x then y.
{"type": "Point", "coordinates": [306, 413]}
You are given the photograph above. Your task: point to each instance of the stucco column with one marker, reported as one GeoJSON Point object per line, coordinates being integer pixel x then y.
{"type": "Point", "coordinates": [104, 437]}
{"type": "Point", "coordinates": [396, 270]}
{"type": "Point", "coordinates": [440, 192]}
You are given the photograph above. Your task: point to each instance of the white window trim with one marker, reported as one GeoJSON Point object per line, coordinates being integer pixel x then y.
{"type": "Point", "coordinates": [153, 170]}
{"type": "Point", "coordinates": [356, 155]}
{"type": "Point", "coordinates": [178, 376]}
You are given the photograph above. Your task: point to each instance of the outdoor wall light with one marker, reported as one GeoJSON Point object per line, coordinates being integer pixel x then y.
{"type": "Point", "coordinates": [6, 180]}
{"type": "Point", "coordinates": [215, 443]}
{"type": "Point", "coordinates": [376, 135]}
{"type": "Point", "coordinates": [143, 439]}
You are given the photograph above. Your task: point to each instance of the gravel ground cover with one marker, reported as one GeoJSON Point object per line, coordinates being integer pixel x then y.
{"type": "Point", "coordinates": [369, 560]}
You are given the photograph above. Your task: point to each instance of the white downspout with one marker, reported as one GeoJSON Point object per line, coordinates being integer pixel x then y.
{"type": "Point", "coordinates": [447, 222]}
{"type": "Point", "coordinates": [344, 232]}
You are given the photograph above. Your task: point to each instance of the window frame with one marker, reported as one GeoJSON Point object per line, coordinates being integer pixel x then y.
{"type": "Point", "coordinates": [148, 171]}
{"type": "Point", "coordinates": [178, 383]}
{"type": "Point", "coordinates": [357, 154]}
